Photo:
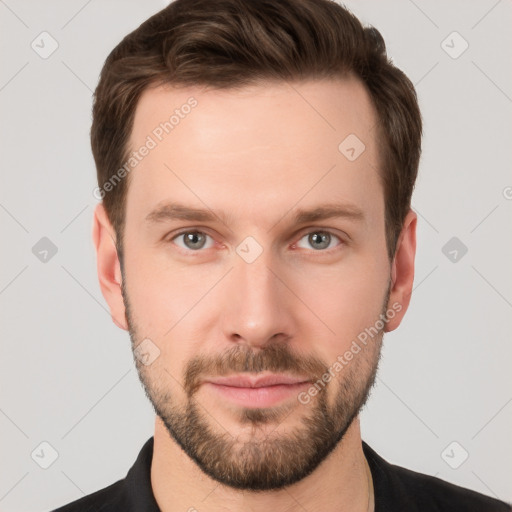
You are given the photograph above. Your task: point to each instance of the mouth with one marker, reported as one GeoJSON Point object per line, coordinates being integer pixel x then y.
{"type": "Point", "coordinates": [257, 391]}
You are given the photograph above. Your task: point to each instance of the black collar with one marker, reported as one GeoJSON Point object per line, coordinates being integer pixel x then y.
{"type": "Point", "coordinates": [139, 493]}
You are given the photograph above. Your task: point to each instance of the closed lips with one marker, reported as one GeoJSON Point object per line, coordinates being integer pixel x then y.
{"type": "Point", "coordinates": [244, 381]}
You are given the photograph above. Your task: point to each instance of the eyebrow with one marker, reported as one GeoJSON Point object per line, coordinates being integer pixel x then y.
{"type": "Point", "coordinates": [175, 211]}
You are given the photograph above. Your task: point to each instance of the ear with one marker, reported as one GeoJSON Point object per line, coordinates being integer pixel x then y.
{"type": "Point", "coordinates": [108, 266]}
{"type": "Point", "coordinates": [402, 272]}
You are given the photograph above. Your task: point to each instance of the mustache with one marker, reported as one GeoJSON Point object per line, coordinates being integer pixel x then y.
{"type": "Point", "coordinates": [239, 359]}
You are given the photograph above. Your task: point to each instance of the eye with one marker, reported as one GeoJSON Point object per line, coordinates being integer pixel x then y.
{"type": "Point", "coordinates": [319, 240]}
{"type": "Point", "coordinates": [192, 240]}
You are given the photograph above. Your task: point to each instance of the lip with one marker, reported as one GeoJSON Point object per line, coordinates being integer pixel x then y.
{"type": "Point", "coordinates": [258, 391]}
{"type": "Point", "coordinates": [247, 381]}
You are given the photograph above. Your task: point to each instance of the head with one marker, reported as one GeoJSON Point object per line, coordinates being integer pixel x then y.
{"type": "Point", "coordinates": [256, 163]}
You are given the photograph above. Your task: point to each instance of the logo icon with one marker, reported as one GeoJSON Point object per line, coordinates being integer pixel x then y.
{"type": "Point", "coordinates": [351, 147]}
{"type": "Point", "coordinates": [249, 249]}
{"type": "Point", "coordinates": [44, 45]}
{"type": "Point", "coordinates": [454, 45]}
{"type": "Point", "coordinates": [146, 352]}
{"type": "Point", "coordinates": [454, 249]}
{"type": "Point", "coordinates": [44, 455]}
{"type": "Point", "coordinates": [454, 455]}
{"type": "Point", "coordinates": [44, 250]}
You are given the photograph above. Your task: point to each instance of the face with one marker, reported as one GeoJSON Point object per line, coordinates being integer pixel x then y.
{"type": "Point", "coordinates": [254, 248]}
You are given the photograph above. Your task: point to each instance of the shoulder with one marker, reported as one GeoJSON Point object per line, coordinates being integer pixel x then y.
{"type": "Point", "coordinates": [130, 494]}
{"type": "Point", "coordinates": [434, 494]}
{"type": "Point", "coordinates": [108, 499]}
{"type": "Point", "coordinates": [398, 487]}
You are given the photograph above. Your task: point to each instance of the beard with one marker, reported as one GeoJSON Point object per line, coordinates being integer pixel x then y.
{"type": "Point", "coordinates": [265, 458]}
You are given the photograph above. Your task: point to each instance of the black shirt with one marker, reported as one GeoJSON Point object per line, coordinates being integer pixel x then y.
{"type": "Point", "coordinates": [396, 490]}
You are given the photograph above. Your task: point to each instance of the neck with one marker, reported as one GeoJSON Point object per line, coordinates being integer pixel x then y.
{"type": "Point", "coordinates": [342, 482]}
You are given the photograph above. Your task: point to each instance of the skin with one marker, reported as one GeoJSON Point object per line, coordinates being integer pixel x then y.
{"type": "Point", "coordinates": [258, 154]}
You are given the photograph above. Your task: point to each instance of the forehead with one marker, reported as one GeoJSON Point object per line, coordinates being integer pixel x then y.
{"type": "Point", "coordinates": [255, 150]}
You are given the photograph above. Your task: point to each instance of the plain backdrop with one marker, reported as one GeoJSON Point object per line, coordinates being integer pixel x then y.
{"type": "Point", "coordinates": [442, 404]}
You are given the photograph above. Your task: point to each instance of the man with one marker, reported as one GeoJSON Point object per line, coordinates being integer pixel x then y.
{"type": "Point", "coordinates": [256, 162]}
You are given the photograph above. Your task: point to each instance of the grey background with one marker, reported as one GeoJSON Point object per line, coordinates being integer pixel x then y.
{"type": "Point", "coordinates": [67, 375]}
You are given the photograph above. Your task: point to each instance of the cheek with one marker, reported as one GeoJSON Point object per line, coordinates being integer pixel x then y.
{"type": "Point", "coordinates": [160, 293]}
{"type": "Point", "coordinates": [172, 306]}
{"type": "Point", "coordinates": [344, 301]}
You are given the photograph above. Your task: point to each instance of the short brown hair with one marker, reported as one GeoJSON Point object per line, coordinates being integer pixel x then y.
{"type": "Point", "coordinates": [232, 43]}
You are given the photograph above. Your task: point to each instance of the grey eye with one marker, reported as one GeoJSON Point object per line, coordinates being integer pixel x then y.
{"type": "Point", "coordinates": [318, 240]}
{"type": "Point", "coordinates": [193, 240]}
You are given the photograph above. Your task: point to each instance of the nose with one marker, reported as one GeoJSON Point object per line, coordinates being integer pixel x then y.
{"type": "Point", "coordinates": [257, 307]}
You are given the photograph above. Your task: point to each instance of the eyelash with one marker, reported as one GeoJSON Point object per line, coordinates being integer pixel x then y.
{"type": "Point", "coordinates": [191, 252]}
